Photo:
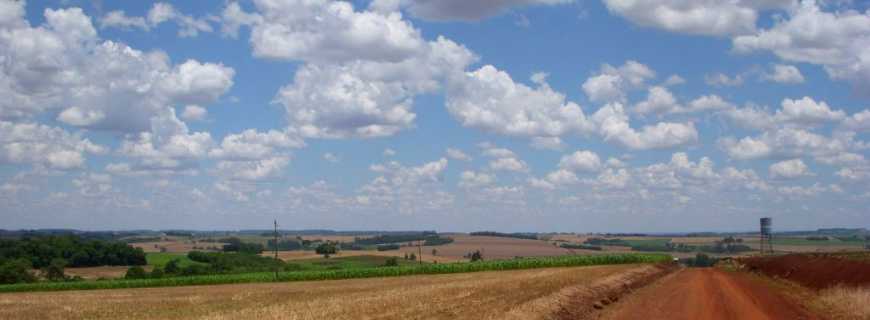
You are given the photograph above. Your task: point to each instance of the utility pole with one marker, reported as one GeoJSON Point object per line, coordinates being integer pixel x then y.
{"type": "Point", "coordinates": [420, 251]}
{"type": "Point", "coordinates": [275, 247]}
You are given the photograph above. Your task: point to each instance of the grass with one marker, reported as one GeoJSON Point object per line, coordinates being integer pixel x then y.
{"type": "Point", "coordinates": [160, 259]}
{"type": "Point", "coordinates": [444, 268]}
{"type": "Point", "coordinates": [846, 302]}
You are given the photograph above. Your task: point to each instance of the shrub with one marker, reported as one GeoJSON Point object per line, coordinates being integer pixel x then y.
{"type": "Point", "coordinates": [392, 262]}
{"type": "Point", "coordinates": [136, 273]}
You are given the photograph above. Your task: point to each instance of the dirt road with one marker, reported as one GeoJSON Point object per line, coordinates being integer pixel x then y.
{"type": "Point", "coordinates": [706, 294]}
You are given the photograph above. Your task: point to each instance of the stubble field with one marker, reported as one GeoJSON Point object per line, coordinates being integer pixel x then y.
{"type": "Point", "coordinates": [523, 294]}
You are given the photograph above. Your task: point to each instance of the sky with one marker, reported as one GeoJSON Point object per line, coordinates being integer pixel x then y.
{"type": "Point", "coordinates": [450, 115]}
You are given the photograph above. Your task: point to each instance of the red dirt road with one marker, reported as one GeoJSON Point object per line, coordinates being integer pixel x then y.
{"type": "Point", "coordinates": [707, 294]}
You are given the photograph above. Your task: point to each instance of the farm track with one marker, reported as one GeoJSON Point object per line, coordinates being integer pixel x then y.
{"type": "Point", "coordinates": [707, 294]}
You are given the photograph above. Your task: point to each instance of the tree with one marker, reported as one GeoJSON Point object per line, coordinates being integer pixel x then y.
{"type": "Point", "coordinates": [54, 270]}
{"type": "Point", "coordinates": [136, 273]}
{"type": "Point", "coordinates": [16, 271]}
{"type": "Point", "coordinates": [434, 252]}
{"type": "Point", "coordinates": [172, 267]}
{"type": "Point", "coordinates": [412, 257]}
{"type": "Point", "coordinates": [326, 249]}
{"type": "Point", "coordinates": [476, 256]}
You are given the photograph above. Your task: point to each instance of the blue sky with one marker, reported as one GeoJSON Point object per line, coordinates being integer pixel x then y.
{"type": "Point", "coordinates": [521, 115]}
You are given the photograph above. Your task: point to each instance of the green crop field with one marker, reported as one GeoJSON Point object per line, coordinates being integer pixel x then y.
{"type": "Point", "coordinates": [156, 259]}
{"type": "Point", "coordinates": [443, 268]}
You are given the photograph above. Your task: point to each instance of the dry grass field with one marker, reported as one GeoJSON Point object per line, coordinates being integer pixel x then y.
{"type": "Point", "coordinates": [525, 294]}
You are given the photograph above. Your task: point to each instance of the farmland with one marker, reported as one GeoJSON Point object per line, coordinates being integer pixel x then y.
{"type": "Point", "coordinates": [522, 294]}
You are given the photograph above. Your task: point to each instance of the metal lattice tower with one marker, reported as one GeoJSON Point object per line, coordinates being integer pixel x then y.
{"type": "Point", "coordinates": [766, 236]}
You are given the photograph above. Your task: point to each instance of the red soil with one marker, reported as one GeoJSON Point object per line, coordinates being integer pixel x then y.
{"type": "Point", "coordinates": [816, 271]}
{"type": "Point", "coordinates": [707, 294]}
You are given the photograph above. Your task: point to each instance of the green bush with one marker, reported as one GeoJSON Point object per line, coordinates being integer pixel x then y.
{"type": "Point", "coordinates": [16, 271]}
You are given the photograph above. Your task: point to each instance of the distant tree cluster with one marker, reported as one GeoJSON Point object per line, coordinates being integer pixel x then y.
{"type": "Point", "coordinates": [580, 246]}
{"type": "Point", "coordinates": [397, 238]}
{"type": "Point", "coordinates": [388, 247]}
{"type": "Point", "coordinates": [284, 245]}
{"type": "Point", "coordinates": [237, 245]}
{"type": "Point", "coordinates": [77, 252]}
{"type": "Point", "coordinates": [529, 236]}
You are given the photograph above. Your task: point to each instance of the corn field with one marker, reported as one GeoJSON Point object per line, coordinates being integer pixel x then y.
{"type": "Point", "coordinates": [442, 268]}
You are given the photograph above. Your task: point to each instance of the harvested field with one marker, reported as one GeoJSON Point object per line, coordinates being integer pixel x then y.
{"type": "Point", "coordinates": [94, 273]}
{"type": "Point", "coordinates": [817, 271]}
{"type": "Point", "coordinates": [491, 248]}
{"type": "Point", "coordinates": [308, 255]}
{"type": "Point", "coordinates": [693, 294]}
{"type": "Point", "coordinates": [498, 247]}
{"type": "Point", "coordinates": [524, 294]}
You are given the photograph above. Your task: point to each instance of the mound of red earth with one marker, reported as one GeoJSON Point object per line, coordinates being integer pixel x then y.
{"type": "Point", "coordinates": [816, 271]}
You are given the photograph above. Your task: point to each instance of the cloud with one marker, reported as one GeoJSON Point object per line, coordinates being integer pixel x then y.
{"type": "Point", "coordinates": [706, 17]}
{"type": "Point", "coordinates": [789, 169]}
{"type": "Point", "coordinates": [658, 100]}
{"type": "Point", "coordinates": [722, 80]}
{"type": "Point", "coordinates": [783, 73]}
{"type": "Point", "coordinates": [784, 142]}
{"type": "Point", "coordinates": [168, 146]}
{"type": "Point", "coordinates": [612, 83]}
{"type": "Point", "coordinates": [613, 126]}
{"type": "Point", "coordinates": [97, 84]}
{"type": "Point", "coordinates": [45, 146]}
{"type": "Point", "coordinates": [160, 12]}
{"type": "Point", "coordinates": [547, 143]}
{"type": "Point", "coordinates": [331, 32]}
{"type": "Point", "coordinates": [118, 19]}
{"type": "Point", "coordinates": [471, 179]}
{"type": "Point", "coordinates": [263, 169]}
{"type": "Point", "coordinates": [490, 100]}
{"type": "Point", "coordinates": [583, 160]}
{"type": "Point", "coordinates": [389, 152]}
{"type": "Point", "coordinates": [332, 158]}
{"type": "Point", "coordinates": [457, 154]}
{"type": "Point", "coordinates": [365, 99]}
{"type": "Point", "coordinates": [460, 10]}
{"type": "Point", "coordinates": [194, 113]}
{"type": "Point", "coordinates": [251, 144]}
{"type": "Point", "coordinates": [835, 40]}
{"type": "Point", "coordinates": [508, 164]}
{"type": "Point", "coordinates": [503, 159]}
{"type": "Point", "coordinates": [807, 111]}
{"type": "Point", "coordinates": [858, 122]}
